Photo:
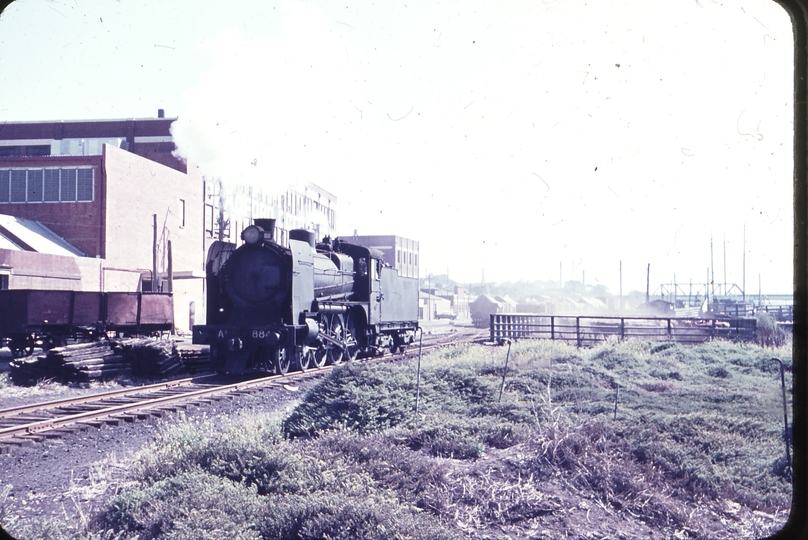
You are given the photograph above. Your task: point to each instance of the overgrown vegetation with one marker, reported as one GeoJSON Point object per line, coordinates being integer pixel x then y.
{"type": "Point", "coordinates": [769, 333]}
{"type": "Point", "coordinates": [651, 433]}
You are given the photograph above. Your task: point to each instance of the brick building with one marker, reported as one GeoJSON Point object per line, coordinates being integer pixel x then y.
{"type": "Point", "coordinates": [114, 191]}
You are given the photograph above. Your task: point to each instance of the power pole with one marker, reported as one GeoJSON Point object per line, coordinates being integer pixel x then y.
{"type": "Point", "coordinates": [155, 278]}
{"type": "Point", "coordinates": [712, 268]}
{"type": "Point", "coordinates": [725, 265]}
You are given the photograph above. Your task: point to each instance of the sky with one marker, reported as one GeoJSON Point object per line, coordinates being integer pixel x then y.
{"type": "Point", "coordinates": [521, 140]}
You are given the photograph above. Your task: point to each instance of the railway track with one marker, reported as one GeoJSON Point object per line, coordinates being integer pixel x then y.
{"type": "Point", "coordinates": [32, 424]}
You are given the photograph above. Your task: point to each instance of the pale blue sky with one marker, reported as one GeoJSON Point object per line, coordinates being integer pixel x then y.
{"type": "Point", "coordinates": [509, 136]}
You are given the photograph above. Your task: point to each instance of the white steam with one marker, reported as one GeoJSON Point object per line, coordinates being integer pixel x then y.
{"type": "Point", "coordinates": [258, 117]}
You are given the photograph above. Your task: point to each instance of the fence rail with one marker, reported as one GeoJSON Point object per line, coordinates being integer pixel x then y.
{"type": "Point", "coordinates": [589, 330]}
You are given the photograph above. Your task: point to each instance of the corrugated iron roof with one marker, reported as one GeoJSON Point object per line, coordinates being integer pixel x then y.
{"type": "Point", "coordinates": [22, 234]}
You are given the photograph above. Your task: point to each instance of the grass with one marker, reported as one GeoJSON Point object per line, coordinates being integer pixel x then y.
{"type": "Point", "coordinates": [693, 430]}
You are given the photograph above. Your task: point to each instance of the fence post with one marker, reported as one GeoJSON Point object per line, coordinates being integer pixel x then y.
{"type": "Point", "coordinates": [616, 396]}
{"type": "Point", "coordinates": [670, 331]}
{"type": "Point", "coordinates": [785, 411]}
{"type": "Point", "coordinates": [622, 328]}
{"type": "Point", "coordinates": [504, 372]}
{"type": "Point", "coordinates": [578, 330]}
{"type": "Point", "coordinates": [418, 378]}
{"type": "Point", "coordinates": [552, 327]}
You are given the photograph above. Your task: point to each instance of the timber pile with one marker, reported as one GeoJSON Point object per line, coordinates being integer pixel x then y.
{"type": "Point", "coordinates": [102, 360]}
{"type": "Point", "coordinates": [150, 358]}
{"type": "Point", "coordinates": [195, 357]}
{"type": "Point", "coordinates": [78, 363]}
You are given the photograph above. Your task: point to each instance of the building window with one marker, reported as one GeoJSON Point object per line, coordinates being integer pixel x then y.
{"type": "Point", "coordinates": [34, 192]}
{"type": "Point", "coordinates": [209, 220]}
{"type": "Point", "coordinates": [182, 213]}
{"type": "Point", "coordinates": [4, 279]}
{"type": "Point", "coordinates": [4, 183]}
{"type": "Point", "coordinates": [68, 184]}
{"type": "Point", "coordinates": [39, 150]}
{"type": "Point", "coordinates": [17, 187]}
{"type": "Point", "coordinates": [51, 189]}
{"type": "Point", "coordinates": [84, 185]}
{"type": "Point", "coordinates": [46, 185]}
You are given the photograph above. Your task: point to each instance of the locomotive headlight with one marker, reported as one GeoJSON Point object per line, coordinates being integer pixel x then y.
{"type": "Point", "coordinates": [252, 234]}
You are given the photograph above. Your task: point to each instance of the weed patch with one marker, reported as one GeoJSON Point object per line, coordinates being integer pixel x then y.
{"type": "Point", "coordinates": [690, 429]}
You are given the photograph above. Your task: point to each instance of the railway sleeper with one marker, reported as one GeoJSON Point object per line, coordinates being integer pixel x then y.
{"type": "Point", "coordinates": [22, 440]}
{"type": "Point", "coordinates": [91, 423]}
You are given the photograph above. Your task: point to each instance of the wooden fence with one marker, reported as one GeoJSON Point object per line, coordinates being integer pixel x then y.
{"type": "Point", "coordinates": [589, 330]}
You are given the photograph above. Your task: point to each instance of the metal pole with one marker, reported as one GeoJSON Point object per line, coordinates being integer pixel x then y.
{"type": "Point", "coordinates": [712, 267]}
{"type": "Point", "coordinates": [155, 277]}
{"type": "Point", "coordinates": [504, 372]}
{"type": "Point", "coordinates": [785, 411]}
{"type": "Point", "coordinates": [418, 377]}
{"type": "Point", "coordinates": [616, 395]}
{"type": "Point", "coordinates": [170, 269]}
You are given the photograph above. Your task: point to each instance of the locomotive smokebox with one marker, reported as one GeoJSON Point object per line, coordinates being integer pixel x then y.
{"type": "Point", "coordinates": [302, 235]}
{"type": "Point", "coordinates": [268, 224]}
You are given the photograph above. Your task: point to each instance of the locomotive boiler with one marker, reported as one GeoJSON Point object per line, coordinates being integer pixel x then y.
{"type": "Point", "coordinates": [271, 307]}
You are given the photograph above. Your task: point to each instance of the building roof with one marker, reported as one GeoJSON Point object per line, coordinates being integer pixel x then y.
{"type": "Point", "coordinates": [486, 299]}
{"type": "Point", "coordinates": [21, 234]}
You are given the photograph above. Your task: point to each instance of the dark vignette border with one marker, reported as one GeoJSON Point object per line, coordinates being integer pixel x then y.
{"type": "Point", "coordinates": [797, 525]}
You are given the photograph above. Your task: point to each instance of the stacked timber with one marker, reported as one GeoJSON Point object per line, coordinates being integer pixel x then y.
{"type": "Point", "coordinates": [150, 358]}
{"type": "Point", "coordinates": [78, 363]}
{"type": "Point", "coordinates": [195, 357]}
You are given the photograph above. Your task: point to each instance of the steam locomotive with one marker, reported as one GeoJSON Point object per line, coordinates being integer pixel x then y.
{"type": "Point", "coordinates": [274, 308]}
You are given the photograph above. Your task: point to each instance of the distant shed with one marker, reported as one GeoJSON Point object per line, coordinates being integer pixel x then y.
{"type": "Point", "coordinates": [482, 308]}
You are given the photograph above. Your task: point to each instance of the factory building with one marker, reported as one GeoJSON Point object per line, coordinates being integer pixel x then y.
{"type": "Point", "coordinates": [230, 211]}
{"type": "Point", "coordinates": [100, 205]}
{"type": "Point", "coordinates": [400, 253]}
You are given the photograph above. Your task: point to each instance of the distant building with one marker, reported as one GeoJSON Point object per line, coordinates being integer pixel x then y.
{"type": "Point", "coordinates": [303, 207]}
{"type": "Point", "coordinates": [400, 253]}
{"type": "Point", "coordinates": [431, 307]}
{"type": "Point", "coordinates": [482, 307]}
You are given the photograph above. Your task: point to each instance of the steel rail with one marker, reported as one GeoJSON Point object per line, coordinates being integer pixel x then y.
{"type": "Point", "coordinates": [44, 405]}
{"type": "Point", "coordinates": [139, 406]}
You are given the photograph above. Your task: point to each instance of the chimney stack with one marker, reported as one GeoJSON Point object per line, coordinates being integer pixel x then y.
{"type": "Point", "coordinates": [268, 224]}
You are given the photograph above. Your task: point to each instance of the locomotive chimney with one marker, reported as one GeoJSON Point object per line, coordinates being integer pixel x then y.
{"type": "Point", "coordinates": [268, 224]}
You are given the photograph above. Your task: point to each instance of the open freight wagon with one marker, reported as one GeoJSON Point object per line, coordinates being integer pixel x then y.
{"type": "Point", "coordinates": [43, 318]}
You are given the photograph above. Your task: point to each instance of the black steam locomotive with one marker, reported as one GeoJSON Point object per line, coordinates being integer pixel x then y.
{"type": "Point", "coordinates": [271, 308]}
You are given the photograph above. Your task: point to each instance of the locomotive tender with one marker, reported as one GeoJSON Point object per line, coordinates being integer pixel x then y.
{"type": "Point", "coordinates": [271, 308]}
